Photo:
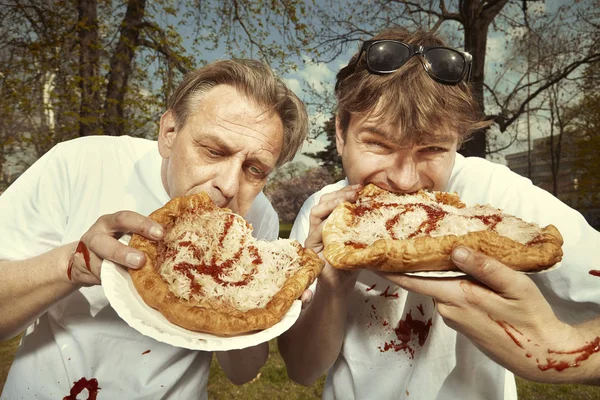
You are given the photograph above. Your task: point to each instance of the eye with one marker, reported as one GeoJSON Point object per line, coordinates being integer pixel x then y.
{"type": "Point", "coordinates": [256, 172]}
{"type": "Point", "coordinates": [214, 153]}
{"type": "Point", "coordinates": [376, 144]}
{"type": "Point", "coordinates": [433, 149]}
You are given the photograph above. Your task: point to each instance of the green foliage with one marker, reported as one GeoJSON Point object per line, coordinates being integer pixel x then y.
{"type": "Point", "coordinates": [329, 157]}
{"type": "Point", "coordinates": [53, 85]}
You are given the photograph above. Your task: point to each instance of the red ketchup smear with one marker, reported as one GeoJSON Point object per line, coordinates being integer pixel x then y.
{"type": "Point", "coordinates": [504, 325]}
{"type": "Point", "coordinates": [489, 220]}
{"type": "Point", "coordinates": [584, 353]}
{"type": "Point", "coordinates": [405, 331]}
{"type": "Point", "coordinates": [386, 294]}
{"type": "Point", "coordinates": [146, 352]}
{"type": "Point", "coordinates": [595, 272]}
{"type": "Point", "coordinates": [434, 215]}
{"type": "Point", "coordinates": [420, 308]}
{"type": "Point", "coordinates": [83, 250]}
{"type": "Point", "coordinates": [80, 385]}
{"type": "Point", "coordinates": [371, 287]}
{"type": "Point", "coordinates": [213, 268]}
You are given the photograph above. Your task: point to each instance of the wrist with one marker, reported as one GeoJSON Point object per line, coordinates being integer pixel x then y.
{"type": "Point", "coordinates": [342, 291]}
{"type": "Point", "coordinates": [65, 264]}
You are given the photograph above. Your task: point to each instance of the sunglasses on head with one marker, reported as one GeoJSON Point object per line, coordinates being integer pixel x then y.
{"type": "Point", "coordinates": [442, 64]}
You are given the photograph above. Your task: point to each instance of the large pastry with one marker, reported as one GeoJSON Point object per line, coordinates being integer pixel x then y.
{"type": "Point", "coordinates": [417, 232]}
{"type": "Point", "coordinates": [209, 274]}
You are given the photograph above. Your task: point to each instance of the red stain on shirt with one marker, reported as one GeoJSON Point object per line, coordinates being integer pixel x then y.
{"type": "Point", "coordinates": [78, 387]}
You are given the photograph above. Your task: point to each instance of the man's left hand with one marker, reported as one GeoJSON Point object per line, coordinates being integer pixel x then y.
{"type": "Point", "coordinates": [505, 315]}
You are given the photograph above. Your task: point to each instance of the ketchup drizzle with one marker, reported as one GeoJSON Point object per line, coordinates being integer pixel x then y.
{"type": "Point", "coordinates": [434, 215]}
{"type": "Point", "coordinates": [595, 272]}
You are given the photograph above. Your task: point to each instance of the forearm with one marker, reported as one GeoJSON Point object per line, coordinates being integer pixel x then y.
{"type": "Point", "coordinates": [240, 366]}
{"type": "Point", "coordinates": [314, 342]}
{"type": "Point", "coordinates": [29, 287]}
{"type": "Point", "coordinates": [577, 360]}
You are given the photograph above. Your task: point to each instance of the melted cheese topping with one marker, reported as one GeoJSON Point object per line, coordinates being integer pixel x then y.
{"type": "Point", "coordinates": [392, 216]}
{"type": "Point", "coordinates": [212, 259]}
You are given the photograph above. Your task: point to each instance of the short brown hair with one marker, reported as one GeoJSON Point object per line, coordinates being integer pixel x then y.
{"type": "Point", "coordinates": [257, 82]}
{"type": "Point", "coordinates": [408, 98]}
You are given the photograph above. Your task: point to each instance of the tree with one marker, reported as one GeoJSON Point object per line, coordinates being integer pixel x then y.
{"type": "Point", "coordinates": [107, 67]}
{"type": "Point", "coordinates": [329, 157]}
{"type": "Point", "coordinates": [584, 126]}
{"type": "Point", "coordinates": [470, 23]}
{"type": "Point", "coordinates": [291, 185]}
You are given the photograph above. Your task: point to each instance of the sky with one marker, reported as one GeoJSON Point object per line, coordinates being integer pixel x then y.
{"type": "Point", "coordinates": [323, 76]}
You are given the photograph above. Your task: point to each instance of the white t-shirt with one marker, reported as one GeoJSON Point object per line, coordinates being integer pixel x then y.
{"type": "Point", "coordinates": [53, 203]}
{"type": "Point", "coordinates": [445, 365]}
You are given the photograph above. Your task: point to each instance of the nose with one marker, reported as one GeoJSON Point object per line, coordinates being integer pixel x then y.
{"type": "Point", "coordinates": [403, 175]}
{"type": "Point", "coordinates": [227, 179]}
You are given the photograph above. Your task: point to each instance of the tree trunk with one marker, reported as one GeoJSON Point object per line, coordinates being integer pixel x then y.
{"type": "Point", "coordinates": [476, 20]}
{"type": "Point", "coordinates": [121, 65]}
{"type": "Point", "coordinates": [89, 108]}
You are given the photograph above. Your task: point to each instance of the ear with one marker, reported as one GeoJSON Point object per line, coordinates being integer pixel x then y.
{"type": "Point", "coordinates": [339, 137]}
{"type": "Point", "coordinates": [166, 134]}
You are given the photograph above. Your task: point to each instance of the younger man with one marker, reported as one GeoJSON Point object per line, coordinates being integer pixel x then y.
{"type": "Point", "coordinates": [403, 110]}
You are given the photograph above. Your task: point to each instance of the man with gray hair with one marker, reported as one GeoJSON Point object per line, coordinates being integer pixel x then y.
{"type": "Point", "coordinates": [227, 127]}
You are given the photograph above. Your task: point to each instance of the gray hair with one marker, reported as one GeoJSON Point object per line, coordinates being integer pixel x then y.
{"type": "Point", "coordinates": [258, 83]}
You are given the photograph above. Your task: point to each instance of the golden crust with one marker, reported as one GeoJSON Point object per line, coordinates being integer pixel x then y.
{"type": "Point", "coordinates": [427, 253]}
{"type": "Point", "coordinates": [155, 291]}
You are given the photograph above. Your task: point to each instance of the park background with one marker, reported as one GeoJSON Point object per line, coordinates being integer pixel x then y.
{"type": "Point", "coordinates": [73, 68]}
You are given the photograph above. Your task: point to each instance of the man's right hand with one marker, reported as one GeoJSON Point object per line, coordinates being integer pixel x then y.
{"type": "Point", "coordinates": [100, 243]}
{"type": "Point", "coordinates": [331, 280]}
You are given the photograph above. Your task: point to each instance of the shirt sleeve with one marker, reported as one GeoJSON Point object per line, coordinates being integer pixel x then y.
{"type": "Point", "coordinates": [33, 210]}
{"type": "Point", "coordinates": [301, 224]}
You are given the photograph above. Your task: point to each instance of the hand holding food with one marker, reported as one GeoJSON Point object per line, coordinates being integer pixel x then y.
{"type": "Point", "coordinates": [209, 274]}
{"type": "Point", "coordinates": [417, 232]}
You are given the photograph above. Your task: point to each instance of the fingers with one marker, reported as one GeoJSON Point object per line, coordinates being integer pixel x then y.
{"type": "Point", "coordinates": [306, 297]}
{"type": "Point", "coordinates": [129, 221]}
{"type": "Point", "coordinates": [490, 272]}
{"type": "Point", "coordinates": [329, 201]}
{"type": "Point", "coordinates": [100, 243]}
{"type": "Point", "coordinates": [320, 212]}
{"type": "Point", "coordinates": [106, 247]}
{"type": "Point", "coordinates": [444, 290]}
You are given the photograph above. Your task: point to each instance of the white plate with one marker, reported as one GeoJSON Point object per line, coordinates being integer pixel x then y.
{"type": "Point", "coordinates": [128, 304]}
{"type": "Point", "coordinates": [453, 274]}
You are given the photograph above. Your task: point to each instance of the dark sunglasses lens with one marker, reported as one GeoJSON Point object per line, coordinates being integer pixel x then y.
{"type": "Point", "coordinates": [387, 56]}
{"type": "Point", "coordinates": [446, 64]}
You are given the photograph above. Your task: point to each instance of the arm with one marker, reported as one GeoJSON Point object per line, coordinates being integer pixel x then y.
{"type": "Point", "coordinates": [241, 366]}
{"type": "Point", "coordinates": [29, 287]}
{"type": "Point", "coordinates": [506, 316]}
{"type": "Point", "coordinates": [313, 343]}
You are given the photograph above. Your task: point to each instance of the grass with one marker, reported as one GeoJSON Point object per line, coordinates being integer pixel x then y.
{"type": "Point", "coordinates": [272, 382]}
{"type": "Point", "coordinates": [284, 230]}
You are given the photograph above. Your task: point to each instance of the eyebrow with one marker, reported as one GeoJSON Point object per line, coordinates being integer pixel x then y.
{"type": "Point", "coordinates": [438, 139]}
{"type": "Point", "coordinates": [218, 141]}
